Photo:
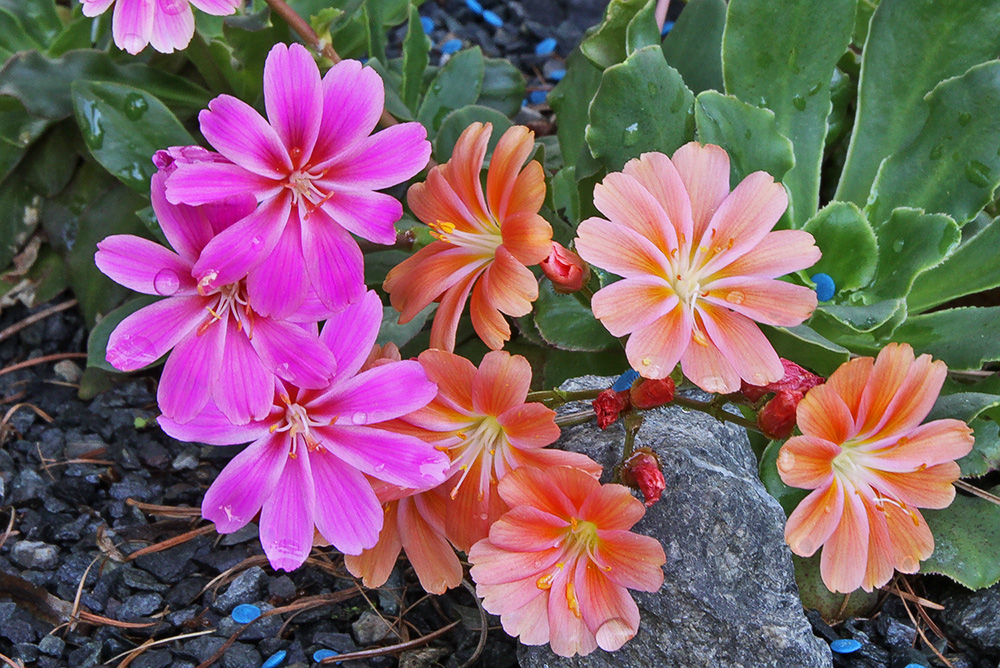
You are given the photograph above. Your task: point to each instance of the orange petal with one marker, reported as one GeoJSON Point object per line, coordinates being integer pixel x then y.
{"type": "Point", "coordinates": [608, 610]}
{"type": "Point", "coordinates": [879, 568]}
{"type": "Point", "coordinates": [815, 519]}
{"type": "Point", "coordinates": [527, 529]}
{"type": "Point", "coordinates": [706, 366]}
{"type": "Point", "coordinates": [547, 458]}
{"type": "Point", "coordinates": [528, 426]}
{"type": "Point", "coordinates": [849, 381]}
{"type": "Point", "coordinates": [625, 202]}
{"type": "Point", "coordinates": [657, 174]}
{"type": "Point", "coordinates": [509, 286]}
{"type": "Point", "coordinates": [465, 165]}
{"type": "Point", "coordinates": [489, 324]}
{"type": "Point", "coordinates": [435, 201]}
{"type": "Point", "coordinates": [446, 318]}
{"type": "Point", "coordinates": [845, 554]}
{"type": "Point", "coordinates": [619, 249]}
{"type": "Point", "coordinates": [633, 303]}
{"type": "Point", "coordinates": [630, 560]}
{"type": "Point", "coordinates": [914, 398]}
{"type": "Point", "coordinates": [806, 461]}
{"type": "Point", "coordinates": [823, 414]}
{"type": "Point", "coordinates": [492, 565]}
{"type": "Point", "coordinates": [891, 368]}
{"type": "Point", "coordinates": [514, 147]}
{"type": "Point", "coordinates": [527, 236]}
{"type": "Point", "coordinates": [612, 507]}
{"type": "Point", "coordinates": [778, 253]}
{"type": "Point", "coordinates": [743, 344]}
{"type": "Point", "coordinates": [655, 349]}
{"type": "Point", "coordinates": [704, 169]}
{"type": "Point", "coordinates": [929, 444]}
{"type": "Point", "coordinates": [473, 508]}
{"type": "Point", "coordinates": [559, 491]}
{"type": "Point", "coordinates": [929, 488]}
{"type": "Point", "coordinates": [501, 383]}
{"type": "Point", "coordinates": [432, 556]}
{"type": "Point", "coordinates": [568, 632]}
{"type": "Point", "coordinates": [375, 565]}
{"type": "Point", "coordinates": [912, 541]}
{"type": "Point", "coordinates": [435, 275]}
{"type": "Point", "coordinates": [451, 373]}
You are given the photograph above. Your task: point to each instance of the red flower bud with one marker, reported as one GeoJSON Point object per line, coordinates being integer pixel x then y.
{"type": "Point", "coordinates": [796, 379]}
{"type": "Point", "coordinates": [642, 470]}
{"type": "Point", "coordinates": [777, 418]}
{"type": "Point", "coordinates": [608, 405]}
{"type": "Point", "coordinates": [648, 393]}
{"type": "Point", "coordinates": [567, 270]}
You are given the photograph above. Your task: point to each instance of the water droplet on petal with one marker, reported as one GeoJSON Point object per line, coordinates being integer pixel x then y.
{"type": "Point", "coordinates": [131, 352]}
{"type": "Point", "coordinates": [256, 242]}
{"type": "Point", "coordinates": [379, 467]}
{"type": "Point", "coordinates": [166, 282]}
{"type": "Point", "coordinates": [359, 418]}
{"type": "Point", "coordinates": [736, 297]}
{"type": "Point", "coordinates": [484, 516]}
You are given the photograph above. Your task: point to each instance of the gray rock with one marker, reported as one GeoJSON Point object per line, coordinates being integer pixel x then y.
{"type": "Point", "coordinates": [203, 647]}
{"type": "Point", "coordinates": [422, 658]}
{"type": "Point", "coordinates": [281, 587]}
{"type": "Point", "coordinates": [248, 587]}
{"type": "Point", "coordinates": [35, 554]}
{"type": "Point", "coordinates": [86, 656]}
{"type": "Point", "coordinates": [139, 605]}
{"type": "Point", "coordinates": [51, 645]}
{"type": "Point", "coordinates": [973, 618]}
{"type": "Point", "coordinates": [28, 486]}
{"type": "Point", "coordinates": [241, 655]}
{"type": "Point", "coordinates": [729, 596]}
{"type": "Point", "coordinates": [371, 628]}
{"type": "Point", "coordinates": [156, 658]}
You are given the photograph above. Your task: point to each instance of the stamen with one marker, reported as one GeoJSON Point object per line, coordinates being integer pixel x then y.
{"type": "Point", "coordinates": [571, 600]}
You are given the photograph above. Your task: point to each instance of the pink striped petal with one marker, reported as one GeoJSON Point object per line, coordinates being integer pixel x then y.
{"type": "Point", "coordinates": [529, 426]}
{"type": "Point", "coordinates": [930, 488]}
{"type": "Point", "coordinates": [191, 373]}
{"type": "Point", "coordinates": [238, 132]}
{"type": "Point", "coordinates": [492, 565]}
{"type": "Point", "coordinates": [930, 444]}
{"type": "Point", "coordinates": [351, 333]}
{"type": "Point", "coordinates": [815, 519]}
{"type": "Point", "coordinates": [620, 250]}
{"type": "Point", "coordinates": [293, 353]}
{"type": "Point", "coordinates": [626, 202]}
{"type": "Point", "coordinates": [428, 551]}
{"type": "Point", "coordinates": [612, 507]}
{"type": "Point", "coordinates": [217, 7]}
{"type": "Point", "coordinates": [655, 349]}
{"type": "Point", "coordinates": [762, 299]}
{"type": "Point", "coordinates": [132, 24]}
{"type": "Point", "coordinates": [246, 482]}
{"type": "Point", "coordinates": [501, 383]}
{"type": "Point", "coordinates": [211, 426]}
{"type": "Point", "coordinates": [353, 98]}
{"type": "Point", "coordinates": [910, 538]}
{"type": "Point", "coordinates": [568, 634]}
{"type": "Point", "coordinates": [245, 389]}
{"type": "Point", "coordinates": [527, 529]}
{"type": "Point", "coordinates": [778, 253]}
{"type": "Point", "coordinates": [293, 99]}
{"type": "Point", "coordinates": [173, 25]}
{"type": "Point", "coordinates": [807, 462]}
{"type": "Point", "coordinates": [143, 337]}
{"type": "Point", "coordinates": [386, 158]}
{"type": "Point", "coordinates": [704, 169]}
{"type": "Point", "coordinates": [914, 398]}
{"type": "Point", "coordinates": [203, 182]}
{"type": "Point", "coordinates": [630, 560]}
{"type": "Point", "coordinates": [347, 513]}
{"type": "Point", "coordinates": [369, 215]}
{"type": "Point", "coordinates": [394, 458]}
{"type": "Point", "coordinates": [144, 266]}
{"type": "Point", "coordinates": [187, 228]}
{"type": "Point", "coordinates": [279, 285]}
{"type": "Point", "coordinates": [845, 555]}
{"type": "Point", "coordinates": [708, 367]}
{"type": "Point", "coordinates": [376, 395]}
{"type": "Point", "coordinates": [633, 303]}
{"type": "Point", "coordinates": [333, 261]}
{"type": "Point", "coordinates": [607, 608]}
{"type": "Point", "coordinates": [93, 8]}
{"type": "Point", "coordinates": [823, 414]}
{"type": "Point", "coordinates": [660, 177]}
{"type": "Point", "coordinates": [879, 568]}
{"type": "Point", "coordinates": [743, 344]}
{"type": "Point", "coordinates": [286, 520]}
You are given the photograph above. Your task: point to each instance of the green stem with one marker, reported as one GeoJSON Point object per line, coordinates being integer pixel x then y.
{"type": "Point", "coordinates": [573, 419]}
{"type": "Point", "coordinates": [555, 397]}
{"type": "Point", "coordinates": [716, 411]}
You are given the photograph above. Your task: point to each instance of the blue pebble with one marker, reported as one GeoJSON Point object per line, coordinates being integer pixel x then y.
{"type": "Point", "coordinates": [428, 24]}
{"type": "Point", "coordinates": [625, 380]}
{"type": "Point", "coordinates": [451, 46]}
{"type": "Point", "coordinates": [825, 287]}
{"type": "Point", "coordinates": [474, 6]}
{"type": "Point", "coordinates": [245, 613]}
{"type": "Point", "coordinates": [537, 97]}
{"type": "Point", "coordinates": [492, 19]}
{"type": "Point", "coordinates": [667, 25]}
{"type": "Point", "coordinates": [914, 665]}
{"type": "Point", "coordinates": [275, 659]}
{"type": "Point", "coordinates": [546, 46]}
{"type": "Point", "coordinates": [845, 646]}
{"type": "Point", "coordinates": [321, 654]}
{"type": "Point", "coordinates": [557, 75]}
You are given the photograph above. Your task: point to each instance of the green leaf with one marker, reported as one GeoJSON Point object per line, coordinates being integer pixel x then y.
{"type": "Point", "coordinates": [607, 45]}
{"type": "Point", "coordinates": [970, 269]}
{"type": "Point", "coordinates": [457, 121]}
{"type": "Point", "coordinates": [416, 55]}
{"type": "Point", "coordinates": [748, 134]}
{"type": "Point", "coordinates": [567, 324]}
{"type": "Point", "coordinates": [694, 45]}
{"type": "Point", "coordinates": [570, 99]}
{"type": "Point", "coordinates": [642, 105]}
{"type": "Point", "coordinates": [782, 56]}
{"type": "Point", "coordinates": [456, 85]}
{"type": "Point", "coordinates": [378, 264]}
{"type": "Point", "coordinates": [76, 35]}
{"type": "Point", "coordinates": [39, 17]}
{"type": "Point", "coordinates": [863, 317]}
{"type": "Point", "coordinates": [503, 87]}
{"type": "Point", "coordinates": [642, 30]}
{"type": "Point", "coordinates": [20, 205]}
{"type": "Point", "coordinates": [837, 227]}
{"type": "Point", "coordinates": [832, 607]}
{"type": "Point", "coordinates": [948, 168]}
{"type": "Point", "coordinates": [807, 347]}
{"type": "Point", "coordinates": [97, 343]}
{"type": "Point", "coordinates": [17, 127]}
{"type": "Point", "coordinates": [51, 162]}
{"type": "Point", "coordinates": [374, 13]}
{"type": "Point", "coordinates": [43, 84]}
{"type": "Point", "coordinates": [392, 332]}
{"type": "Point", "coordinates": [392, 82]}
{"type": "Point", "coordinates": [965, 540]}
{"type": "Point", "coordinates": [565, 196]}
{"type": "Point", "coordinates": [900, 66]}
{"type": "Point", "coordinates": [561, 365]}
{"type": "Point", "coordinates": [965, 338]}
{"type": "Point", "coordinates": [123, 127]}
{"type": "Point", "coordinates": [13, 37]}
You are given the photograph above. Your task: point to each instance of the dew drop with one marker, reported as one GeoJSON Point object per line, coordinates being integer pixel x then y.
{"type": "Point", "coordinates": [93, 129]}
{"type": "Point", "coordinates": [799, 102]}
{"type": "Point", "coordinates": [897, 245]}
{"type": "Point", "coordinates": [166, 282]}
{"type": "Point", "coordinates": [484, 516]}
{"type": "Point", "coordinates": [736, 297]}
{"type": "Point", "coordinates": [256, 242]}
{"type": "Point", "coordinates": [431, 468]}
{"type": "Point", "coordinates": [631, 135]}
{"type": "Point", "coordinates": [977, 173]}
{"type": "Point", "coordinates": [964, 118]}
{"type": "Point", "coordinates": [135, 106]}
{"type": "Point", "coordinates": [379, 467]}
{"type": "Point", "coordinates": [172, 7]}
{"type": "Point", "coordinates": [131, 352]}
{"type": "Point", "coordinates": [359, 418]}
{"type": "Point", "coordinates": [815, 89]}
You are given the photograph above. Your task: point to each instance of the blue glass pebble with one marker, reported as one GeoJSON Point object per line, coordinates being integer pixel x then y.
{"type": "Point", "coordinates": [474, 6]}
{"type": "Point", "coordinates": [245, 613]}
{"type": "Point", "coordinates": [545, 47]}
{"type": "Point", "coordinates": [451, 46]}
{"type": "Point", "coordinates": [557, 75]}
{"type": "Point", "coordinates": [914, 665]}
{"type": "Point", "coordinates": [427, 23]}
{"type": "Point", "coordinates": [492, 19]}
{"type": "Point", "coordinates": [275, 659]}
{"type": "Point", "coordinates": [625, 380]}
{"type": "Point", "coordinates": [667, 25]}
{"type": "Point", "coordinates": [537, 97]}
{"type": "Point", "coordinates": [824, 287]}
{"type": "Point", "coordinates": [321, 654]}
{"type": "Point", "coordinates": [845, 646]}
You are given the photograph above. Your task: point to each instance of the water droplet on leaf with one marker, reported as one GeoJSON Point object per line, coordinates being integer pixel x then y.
{"type": "Point", "coordinates": [631, 135]}
{"type": "Point", "coordinates": [977, 173]}
{"type": "Point", "coordinates": [135, 106]}
{"type": "Point", "coordinates": [898, 244]}
{"type": "Point", "coordinates": [799, 102]}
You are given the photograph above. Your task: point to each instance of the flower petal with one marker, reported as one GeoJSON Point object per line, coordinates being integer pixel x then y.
{"type": "Point", "coordinates": [370, 215]}
{"type": "Point", "coordinates": [619, 250]}
{"type": "Point", "coordinates": [394, 458]}
{"type": "Point", "coordinates": [892, 366]}
{"type": "Point", "coordinates": [278, 286]}
{"type": "Point", "coordinates": [293, 353]}
{"type": "Point", "coordinates": [608, 610]}
{"type": "Point", "coordinates": [612, 507]}
{"type": "Point", "coordinates": [192, 372]}
{"type": "Point", "coordinates": [216, 7]}
{"type": "Point", "coordinates": [353, 97]}
{"type": "Point", "coordinates": [660, 178]}
{"type": "Point", "coordinates": [446, 319]}
{"type": "Point", "coordinates": [930, 488]}
{"type": "Point", "coordinates": [211, 426]}
{"type": "Point", "coordinates": [815, 519]}
{"type": "Point", "coordinates": [930, 444]}
{"type": "Point", "coordinates": [293, 99]}
{"type": "Point", "coordinates": [238, 132]}
{"type": "Point", "coordinates": [245, 389]}
{"type": "Point", "coordinates": [347, 513]}
{"type": "Point", "coordinates": [245, 483]}
{"type": "Point", "coordinates": [501, 383]}
{"type": "Point", "coordinates": [333, 261]}
{"type": "Point", "coordinates": [378, 394]}
{"type": "Point", "coordinates": [428, 551]}
{"type": "Point", "coordinates": [508, 285]}
{"type": "Point", "coordinates": [915, 396]}
{"type": "Point", "coordinates": [385, 159]}
{"type": "Point", "coordinates": [704, 169]}
{"type": "Point", "coordinates": [911, 538]}
{"type": "Point", "coordinates": [743, 344]}
{"type": "Point", "coordinates": [845, 554]}
{"type": "Point", "coordinates": [144, 266]}
{"type": "Point", "coordinates": [286, 520]}
{"type": "Point", "coordinates": [143, 337]}
{"type": "Point", "coordinates": [849, 380]}
{"type": "Point", "coordinates": [807, 461]}
{"type": "Point", "coordinates": [823, 414]}
{"type": "Point", "coordinates": [707, 366]}
{"type": "Point", "coordinates": [527, 236]}
{"type": "Point", "coordinates": [879, 568]}
{"type": "Point", "coordinates": [198, 183]}
{"type": "Point", "coordinates": [778, 253]}
{"type": "Point", "coordinates": [374, 566]}
{"type": "Point", "coordinates": [132, 24]}
{"type": "Point", "coordinates": [633, 303]}
{"type": "Point", "coordinates": [625, 202]}
{"type": "Point", "coordinates": [762, 299]}
{"type": "Point", "coordinates": [655, 349]}
{"type": "Point", "coordinates": [568, 633]}
{"type": "Point", "coordinates": [487, 321]}
{"type": "Point", "coordinates": [351, 333]}
{"type": "Point", "coordinates": [513, 148]}
{"type": "Point", "coordinates": [173, 25]}
{"type": "Point", "coordinates": [452, 374]}
{"type": "Point", "coordinates": [629, 559]}
{"type": "Point", "coordinates": [492, 565]}
{"type": "Point", "coordinates": [528, 426]}
{"type": "Point", "coordinates": [527, 529]}
{"type": "Point", "coordinates": [462, 171]}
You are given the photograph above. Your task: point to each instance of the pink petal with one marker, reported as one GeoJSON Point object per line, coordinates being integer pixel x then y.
{"type": "Point", "coordinates": [132, 24]}
{"type": "Point", "coordinates": [627, 203]}
{"type": "Point", "coordinates": [708, 367]}
{"type": "Point", "coordinates": [333, 261]}
{"type": "Point", "coordinates": [762, 299]}
{"type": "Point", "coordinates": [527, 529]}
{"type": "Point", "coordinates": [545, 490]}
{"type": "Point", "coordinates": [815, 519]}
{"type": "Point", "coordinates": [351, 333]}
{"type": "Point", "coordinates": [879, 569]}
{"type": "Point", "coordinates": [173, 25]}
{"type": "Point", "coordinates": [655, 349]}
{"type": "Point", "coordinates": [217, 7]}
{"type": "Point", "coordinates": [660, 177]}
{"type": "Point", "coordinates": [293, 99]}
{"type": "Point", "coordinates": [203, 182]}
{"type": "Point", "coordinates": [237, 131]}
{"type": "Point", "coordinates": [347, 513]}
{"type": "Point", "coordinates": [144, 266]}
{"type": "Point", "coordinates": [807, 462]}
{"type": "Point", "coordinates": [293, 353]}
{"type": "Point", "coordinates": [845, 555]}
{"type": "Point", "coordinates": [633, 303]}
{"type": "Point", "coordinates": [492, 565]}
{"type": "Point", "coordinates": [910, 538]}
{"type": "Point", "coordinates": [778, 253]}
{"type": "Point", "coordinates": [529, 622]}
{"type": "Point", "coordinates": [930, 444]}
{"type": "Point", "coordinates": [394, 458]}
{"type": "Point", "coordinates": [353, 98]}
{"type": "Point", "coordinates": [914, 398]}
{"type": "Point", "coordinates": [929, 488]}
{"type": "Point", "coordinates": [286, 520]}
{"type": "Point", "coordinates": [501, 383]}
{"type": "Point", "coordinates": [245, 389]}
{"type": "Point", "coordinates": [610, 613]}
{"type": "Point", "coordinates": [369, 215]}
{"type": "Point", "coordinates": [704, 169]}
{"type": "Point", "coordinates": [143, 337]}
{"type": "Point", "coordinates": [744, 345]}
{"type": "Point", "coordinates": [568, 634]}
{"type": "Point", "coordinates": [191, 373]}
{"type": "Point", "coordinates": [211, 426]}
{"type": "Point", "coordinates": [823, 414]}
{"type": "Point", "coordinates": [620, 250]}
{"type": "Point", "coordinates": [279, 285]}
{"type": "Point", "coordinates": [630, 560]}
{"type": "Point", "coordinates": [246, 482]}
{"type": "Point", "coordinates": [612, 507]}
{"type": "Point", "coordinates": [386, 158]}
{"type": "Point", "coordinates": [93, 8]}
{"type": "Point", "coordinates": [529, 426]}
{"type": "Point", "coordinates": [376, 395]}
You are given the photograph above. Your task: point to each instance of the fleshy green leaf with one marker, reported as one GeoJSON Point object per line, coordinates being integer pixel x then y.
{"type": "Point", "coordinates": [567, 324]}
{"type": "Point", "coordinates": [39, 17]}
{"type": "Point", "coordinates": [837, 227]}
{"type": "Point", "coordinates": [607, 45]}
{"type": "Point", "coordinates": [374, 13]}
{"type": "Point", "coordinates": [13, 36]}
{"type": "Point", "coordinates": [20, 205]}
{"type": "Point", "coordinates": [965, 338]}
{"type": "Point", "coordinates": [782, 56]}
{"type": "Point", "coordinates": [416, 50]}
{"type": "Point", "coordinates": [455, 86]}
{"type": "Point", "coordinates": [694, 45]}
{"type": "Point", "coordinates": [392, 82]}
{"type": "Point", "coordinates": [863, 317]}
{"type": "Point", "coordinates": [900, 66]}
{"type": "Point", "coordinates": [392, 332]}
{"type": "Point", "coordinates": [971, 268]}
{"type": "Point", "coordinates": [748, 134]}
{"type": "Point", "coordinates": [642, 30]}
{"type": "Point", "coordinates": [950, 167]}
{"type": "Point", "coordinates": [965, 541]}
{"type": "Point", "coordinates": [123, 127]}
{"type": "Point", "coordinates": [807, 347]}
{"type": "Point", "coordinates": [561, 365]}
{"type": "Point", "coordinates": [97, 344]}
{"type": "Point", "coordinates": [457, 121]}
{"type": "Point", "coordinates": [503, 87]}
{"type": "Point", "coordinates": [570, 99]}
{"type": "Point", "coordinates": [642, 105]}
{"type": "Point", "coordinates": [17, 127]}
{"type": "Point", "coordinates": [789, 497]}
{"type": "Point", "coordinates": [832, 607]}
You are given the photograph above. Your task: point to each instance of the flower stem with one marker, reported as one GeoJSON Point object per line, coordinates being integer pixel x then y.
{"type": "Point", "coordinates": [573, 419]}
{"type": "Point", "coordinates": [715, 410]}
{"type": "Point", "coordinates": [555, 397]}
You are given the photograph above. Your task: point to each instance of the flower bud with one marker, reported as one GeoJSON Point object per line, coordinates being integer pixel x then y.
{"type": "Point", "coordinates": [796, 379]}
{"type": "Point", "coordinates": [777, 418]}
{"type": "Point", "coordinates": [380, 355]}
{"type": "Point", "coordinates": [567, 270]}
{"type": "Point", "coordinates": [609, 405]}
{"type": "Point", "coordinates": [648, 393]}
{"type": "Point", "coordinates": [642, 470]}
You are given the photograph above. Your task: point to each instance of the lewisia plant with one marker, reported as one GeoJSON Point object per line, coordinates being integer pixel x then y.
{"type": "Point", "coordinates": [871, 464]}
{"type": "Point", "coordinates": [166, 24]}
{"type": "Point", "coordinates": [699, 264]}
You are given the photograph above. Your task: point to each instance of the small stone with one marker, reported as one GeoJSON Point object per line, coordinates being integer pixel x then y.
{"type": "Point", "coordinates": [138, 579]}
{"type": "Point", "coordinates": [86, 656]}
{"type": "Point", "coordinates": [17, 631]}
{"type": "Point", "coordinates": [281, 587]}
{"type": "Point", "coordinates": [248, 587]}
{"type": "Point", "coordinates": [243, 534]}
{"type": "Point", "coordinates": [241, 655]}
{"type": "Point", "coordinates": [370, 628]}
{"type": "Point", "coordinates": [186, 460]}
{"type": "Point", "coordinates": [424, 657]}
{"type": "Point", "coordinates": [51, 645]}
{"type": "Point", "coordinates": [139, 605]}
{"type": "Point", "coordinates": [26, 651]}
{"type": "Point", "coordinates": [27, 486]}
{"type": "Point", "coordinates": [68, 371]}
{"type": "Point", "coordinates": [35, 554]}
{"type": "Point", "coordinates": [156, 658]}
{"type": "Point", "coordinates": [203, 648]}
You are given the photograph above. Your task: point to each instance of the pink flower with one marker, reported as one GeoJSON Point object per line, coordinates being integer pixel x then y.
{"type": "Point", "coordinates": [313, 169]}
{"type": "Point", "coordinates": [558, 566]}
{"type": "Point", "coordinates": [871, 464]}
{"type": "Point", "coordinates": [309, 457]}
{"type": "Point", "coordinates": [223, 349]}
{"type": "Point", "coordinates": [699, 264]}
{"type": "Point", "coordinates": [166, 24]}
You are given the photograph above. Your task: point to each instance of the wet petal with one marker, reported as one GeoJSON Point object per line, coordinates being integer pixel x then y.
{"type": "Point", "coordinates": [743, 345]}
{"type": "Point", "coordinates": [144, 337]}
{"type": "Point", "coordinates": [132, 24]}
{"type": "Point", "coordinates": [351, 333]}
{"type": "Point", "coordinates": [501, 383]}
{"type": "Point", "coordinates": [173, 25]}
{"type": "Point", "coordinates": [237, 131]}
{"type": "Point", "coordinates": [245, 389]}
{"type": "Point", "coordinates": [293, 98]}
{"type": "Point", "coordinates": [807, 461]}
{"type": "Point", "coordinates": [655, 349]}
{"type": "Point", "coordinates": [286, 520]}
{"type": "Point", "coordinates": [815, 519]}
{"type": "Point", "coordinates": [347, 512]}
{"type": "Point", "coordinates": [211, 426]}
{"type": "Point", "coordinates": [144, 266]}
{"type": "Point", "coordinates": [394, 458]}
{"type": "Point", "coordinates": [633, 303]}
{"type": "Point", "coordinates": [245, 483]}
{"type": "Point", "coordinates": [334, 263]}
{"type": "Point", "coordinates": [192, 372]}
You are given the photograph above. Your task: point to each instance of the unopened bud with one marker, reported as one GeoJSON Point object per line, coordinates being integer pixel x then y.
{"type": "Point", "coordinates": [777, 419]}
{"type": "Point", "coordinates": [380, 355]}
{"type": "Point", "coordinates": [567, 270]}
{"type": "Point", "coordinates": [796, 379]}
{"type": "Point", "coordinates": [648, 393]}
{"type": "Point", "coordinates": [642, 471]}
{"type": "Point", "coordinates": [609, 405]}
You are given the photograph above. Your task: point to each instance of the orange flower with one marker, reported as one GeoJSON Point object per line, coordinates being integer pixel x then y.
{"type": "Point", "coordinates": [871, 464]}
{"type": "Point", "coordinates": [485, 244]}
